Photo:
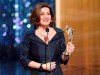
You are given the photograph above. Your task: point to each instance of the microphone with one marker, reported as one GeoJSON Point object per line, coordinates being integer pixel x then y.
{"type": "Point", "coordinates": [47, 30]}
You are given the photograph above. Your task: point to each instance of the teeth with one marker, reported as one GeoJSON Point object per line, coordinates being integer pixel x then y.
{"type": "Point", "coordinates": [45, 20]}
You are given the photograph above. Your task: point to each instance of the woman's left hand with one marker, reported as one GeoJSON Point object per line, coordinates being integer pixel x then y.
{"type": "Point", "coordinates": [69, 48]}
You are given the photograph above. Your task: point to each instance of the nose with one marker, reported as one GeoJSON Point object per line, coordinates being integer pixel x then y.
{"type": "Point", "coordinates": [46, 16]}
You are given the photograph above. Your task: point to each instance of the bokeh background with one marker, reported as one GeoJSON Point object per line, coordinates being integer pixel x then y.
{"type": "Point", "coordinates": [82, 15]}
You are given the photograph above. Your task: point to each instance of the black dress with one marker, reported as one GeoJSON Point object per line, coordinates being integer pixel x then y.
{"type": "Point", "coordinates": [33, 48]}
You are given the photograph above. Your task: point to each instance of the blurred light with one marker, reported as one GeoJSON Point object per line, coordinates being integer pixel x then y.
{"type": "Point", "coordinates": [21, 22]}
{"type": "Point", "coordinates": [16, 6]}
{"type": "Point", "coordinates": [25, 20]}
{"type": "Point", "coordinates": [17, 40]}
{"type": "Point", "coordinates": [16, 20]}
{"type": "Point", "coordinates": [16, 14]}
{"type": "Point", "coordinates": [14, 27]}
{"type": "Point", "coordinates": [29, 14]}
{"type": "Point", "coordinates": [27, 4]}
{"type": "Point", "coordinates": [3, 15]}
{"type": "Point", "coordinates": [28, 26]}
{"type": "Point", "coordinates": [4, 34]}
{"type": "Point", "coordinates": [5, 7]}
{"type": "Point", "coordinates": [4, 25]}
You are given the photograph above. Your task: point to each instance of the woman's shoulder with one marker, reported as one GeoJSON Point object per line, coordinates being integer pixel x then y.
{"type": "Point", "coordinates": [28, 33]}
{"type": "Point", "coordinates": [58, 29]}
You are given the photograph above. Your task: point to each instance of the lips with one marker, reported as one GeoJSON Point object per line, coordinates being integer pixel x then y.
{"type": "Point", "coordinates": [45, 20]}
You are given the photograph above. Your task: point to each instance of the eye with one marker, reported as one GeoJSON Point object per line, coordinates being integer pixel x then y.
{"type": "Point", "coordinates": [48, 14]}
{"type": "Point", "coordinates": [41, 13]}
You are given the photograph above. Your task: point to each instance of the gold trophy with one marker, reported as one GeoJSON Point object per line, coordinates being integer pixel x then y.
{"type": "Point", "coordinates": [70, 33]}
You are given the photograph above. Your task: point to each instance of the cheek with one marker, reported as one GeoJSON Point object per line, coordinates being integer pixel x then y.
{"type": "Point", "coordinates": [41, 21]}
{"type": "Point", "coordinates": [41, 18]}
{"type": "Point", "coordinates": [50, 17]}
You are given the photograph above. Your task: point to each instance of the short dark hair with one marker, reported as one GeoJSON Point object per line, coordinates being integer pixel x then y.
{"type": "Point", "coordinates": [35, 16]}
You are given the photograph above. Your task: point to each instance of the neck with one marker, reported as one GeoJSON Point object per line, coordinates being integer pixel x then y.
{"type": "Point", "coordinates": [42, 30]}
{"type": "Point", "coordinates": [44, 27]}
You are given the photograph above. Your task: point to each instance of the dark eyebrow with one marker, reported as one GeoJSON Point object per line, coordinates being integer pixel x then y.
{"type": "Point", "coordinates": [43, 12]}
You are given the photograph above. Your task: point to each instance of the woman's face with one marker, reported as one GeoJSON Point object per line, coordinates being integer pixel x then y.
{"type": "Point", "coordinates": [45, 16]}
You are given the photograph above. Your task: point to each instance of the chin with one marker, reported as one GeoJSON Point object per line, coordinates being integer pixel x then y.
{"type": "Point", "coordinates": [46, 24]}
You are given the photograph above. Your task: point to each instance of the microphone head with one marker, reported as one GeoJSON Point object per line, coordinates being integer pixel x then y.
{"type": "Point", "coordinates": [47, 29]}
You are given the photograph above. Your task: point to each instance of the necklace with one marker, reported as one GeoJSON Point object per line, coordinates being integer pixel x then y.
{"type": "Point", "coordinates": [43, 34]}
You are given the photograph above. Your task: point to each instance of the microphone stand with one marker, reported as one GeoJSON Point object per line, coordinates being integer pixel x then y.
{"type": "Point", "coordinates": [47, 30]}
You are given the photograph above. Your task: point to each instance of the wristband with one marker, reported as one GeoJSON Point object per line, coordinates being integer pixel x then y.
{"type": "Point", "coordinates": [66, 53]}
{"type": "Point", "coordinates": [41, 68]}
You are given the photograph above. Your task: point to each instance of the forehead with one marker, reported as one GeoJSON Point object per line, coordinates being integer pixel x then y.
{"type": "Point", "coordinates": [45, 9]}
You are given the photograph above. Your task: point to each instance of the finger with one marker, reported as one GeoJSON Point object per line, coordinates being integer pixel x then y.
{"type": "Point", "coordinates": [69, 43]}
{"type": "Point", "coordinates": [52, 63]}
{"type": "Point", "coordinates": [72, 46]}
{"type": "Point", "coordinates": [72, 49]}
{"type": "Point", "coordinates": [53, 67]}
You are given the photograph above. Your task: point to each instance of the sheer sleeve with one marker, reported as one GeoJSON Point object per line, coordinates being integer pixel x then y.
{"type": "Point", "coordinates": [24, 51]}
{"type": "Point", "coordinates": [63, 48]}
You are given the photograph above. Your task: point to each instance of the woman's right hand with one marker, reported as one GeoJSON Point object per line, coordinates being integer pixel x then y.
{"type": "Point", "coordinates": [50, 66]}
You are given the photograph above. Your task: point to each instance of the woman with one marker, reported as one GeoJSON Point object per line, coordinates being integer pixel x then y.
{"type": "Point", "coordinates": [43, 50]}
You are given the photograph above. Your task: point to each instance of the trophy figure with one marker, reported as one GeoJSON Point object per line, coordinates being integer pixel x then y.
{"type": "Point", "coordinates": [70, 33]}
